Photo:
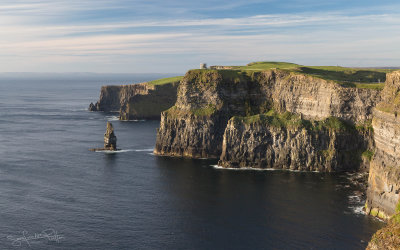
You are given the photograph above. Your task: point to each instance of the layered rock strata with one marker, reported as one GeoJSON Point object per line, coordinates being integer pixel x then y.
{"type": "Point", "coordinates": [136, 101]}
{"type": "Point", "coordinates": [384, 179]}
{"type": "Point", "coordinates": [316, 98]}
{"type": "Point", "coordinates": [207, 99]}
{"type": "Point", "coordinates": [288, 142]}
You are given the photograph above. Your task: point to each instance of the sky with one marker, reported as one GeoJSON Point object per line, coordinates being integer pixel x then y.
{"type": "Point", "coordinates": [172, 36]}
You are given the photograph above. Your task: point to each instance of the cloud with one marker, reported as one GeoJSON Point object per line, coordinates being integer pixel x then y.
{"type": "Point", "coordinates": [31, 39]}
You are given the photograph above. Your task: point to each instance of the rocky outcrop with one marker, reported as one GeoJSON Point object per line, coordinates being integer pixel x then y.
{"type": "Point", "coordinates": [136, 101]}
{"type": "Point", "coordinates": [388, 237]}
{"type": "Point", "coordinates": [391, 94]}
{"type": "Point", "coordinates": [207, 99]}
{"type": "Point", "coordinates": [384, 179]}
{"type": "Point", "coordinates": [110, 140]}
{"type": "Point", "coordinates": [288, 142]}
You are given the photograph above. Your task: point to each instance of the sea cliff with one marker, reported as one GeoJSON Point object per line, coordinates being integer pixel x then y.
{"type": "Point", "coordinates": [138, 101]}
{"type": "Point", "coordinates": [384, 179]}
{"type": "Point", "coordinates": [286, 141]}
{"type": "Point", "coordinates": [208, 99]}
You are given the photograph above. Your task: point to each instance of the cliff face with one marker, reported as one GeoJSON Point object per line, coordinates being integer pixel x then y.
{"type": "Point", "coordinates": [207, 99]}
{"type": "Point", "coordinates": [289, 142]}
{"type": "Point", "coordinates": [114, 96]}
{"type": "Point", "coordinates": [136, 101]}
{"type": "Point", "coordinates": [149, 105]}
{"type": "Point", "coordinates": [384, 179]}
{"type": "Point", "coordinates": [317, 98]}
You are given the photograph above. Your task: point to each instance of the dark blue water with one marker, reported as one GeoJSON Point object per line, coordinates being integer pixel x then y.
{"type": "Point", "coordinates": [52, 185]}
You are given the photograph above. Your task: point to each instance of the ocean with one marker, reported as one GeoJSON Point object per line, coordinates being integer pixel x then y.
{"type": "Point", "coordinates": [56, 194]}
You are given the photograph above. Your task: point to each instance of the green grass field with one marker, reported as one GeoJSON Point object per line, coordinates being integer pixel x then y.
{"type": "Point", "coordinates": [166, 80]}
{"type": "Point", "coordinates": [268, 65]}
{"type": "Point", "coordinates": [368, 78]}
{"type": "Point", "coordinates": [349, 77]}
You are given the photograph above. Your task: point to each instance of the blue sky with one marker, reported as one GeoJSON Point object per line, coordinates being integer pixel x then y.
{"type": "Point", "coordinates": [122, 36]}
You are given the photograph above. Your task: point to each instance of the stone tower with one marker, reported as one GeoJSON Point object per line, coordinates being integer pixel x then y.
{"type": "Point", "coordinates": [203, 65]}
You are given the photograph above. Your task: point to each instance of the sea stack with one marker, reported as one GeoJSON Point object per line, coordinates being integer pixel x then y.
{"type": "Point", "coordinates": [110, 140]}
{"type": "Point", "coordinates": [93, 107]}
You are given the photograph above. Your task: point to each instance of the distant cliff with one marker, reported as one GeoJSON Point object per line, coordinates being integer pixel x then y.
{"type": "Point", "coordinates": [138, 101]}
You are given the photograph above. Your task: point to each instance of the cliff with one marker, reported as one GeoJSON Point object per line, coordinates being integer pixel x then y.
{"type": "Point", "coordinates": [317, 98]}
{"type": "Point", "coordinates": [207, 99]}
{"type": "Point", "coordinates": [137, 101]}
{"type": "Point", "coordinates": [384, 179]}
{"type": "Point", "coordinates": [286, 141]}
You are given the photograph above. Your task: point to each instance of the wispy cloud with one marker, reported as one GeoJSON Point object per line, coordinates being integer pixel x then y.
{"type": "Point", "coordinates": [50, 35]}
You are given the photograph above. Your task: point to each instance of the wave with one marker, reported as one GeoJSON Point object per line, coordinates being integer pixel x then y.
{"type": "Point", "coordinates": [125, 150]}
{"type": "Point", "coordinates": [144, 150]}
{"type": "Point", "coordinates": [356, 203]}
{"type": "Point", "coordinates": [115, 152]}
{"type": "Point", "coordinates": [354, 198]}
{"type": "Point", "coordinates": [357, 210]}
{"type": "Point", "coordinates": [133, 120]}
{"type": "Point", "coordinates": [244, 169]}
{"type": "Point", "coordinates": [261, 169]}
{"type": "Point", "coordinates": [112, 118]}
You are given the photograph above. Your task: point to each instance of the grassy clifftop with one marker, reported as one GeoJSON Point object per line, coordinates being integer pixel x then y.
{"type": "Point", "coordinates": [372, 78]}
{"type": "Point", "coordinates": [163, 81]}
{"type": "Point", "coordinates": [349, 77]}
